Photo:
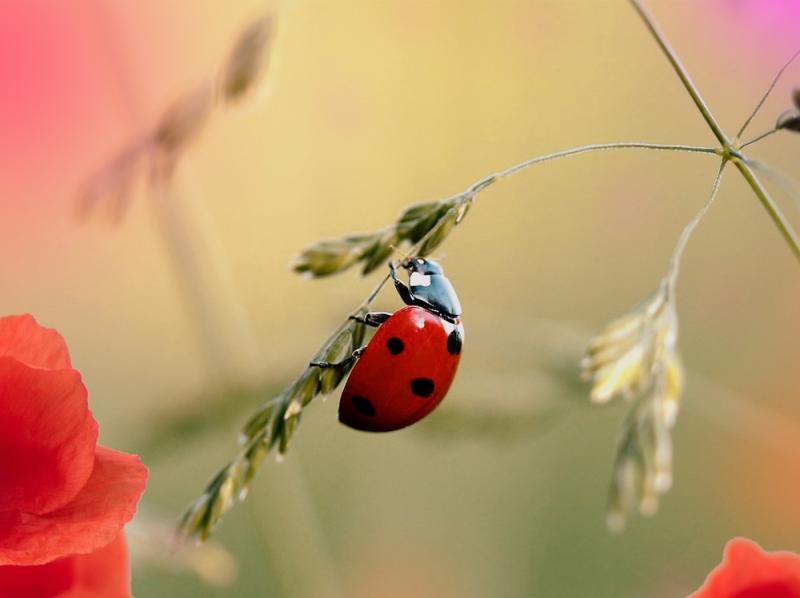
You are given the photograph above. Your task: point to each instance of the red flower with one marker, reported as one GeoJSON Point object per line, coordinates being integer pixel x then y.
{"type": "Point", "coordinates": [101, 574]}
{"type": "Point", "coordinates": [61, 494]}
{"type": "Point", "coordinates": [749, 572]}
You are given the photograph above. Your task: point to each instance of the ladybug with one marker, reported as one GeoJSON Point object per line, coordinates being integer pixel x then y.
{"type": "Point", "coordinates": [406, 369]}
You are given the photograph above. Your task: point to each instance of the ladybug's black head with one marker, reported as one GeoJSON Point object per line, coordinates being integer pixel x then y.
{"type": "Point", "coordinates": [422, 266]}
{"type": "Point", "coordinates": [429, 288]}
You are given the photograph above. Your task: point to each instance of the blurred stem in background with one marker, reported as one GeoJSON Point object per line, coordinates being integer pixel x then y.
{"type": "Point", "coordinates": [312, 571]}
{"type": "Point", "coordinates": [203, 274]}
{"type": "Point", "coordinates": [202, 271]}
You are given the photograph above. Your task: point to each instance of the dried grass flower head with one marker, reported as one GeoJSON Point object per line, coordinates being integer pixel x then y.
{"type": "Point", "coordinates": [636, 357]}
{"type": "Point", "coordinates": [625, 357]}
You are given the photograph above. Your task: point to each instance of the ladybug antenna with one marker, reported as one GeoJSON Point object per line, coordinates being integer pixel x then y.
{"type": "Point", "coordinates": [400, 262]}
{"type": "Point", "coordinates": [405, 258]}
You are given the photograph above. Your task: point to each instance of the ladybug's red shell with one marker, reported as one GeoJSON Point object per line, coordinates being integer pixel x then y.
{"type": "Point", "coordinates": [404, 372]}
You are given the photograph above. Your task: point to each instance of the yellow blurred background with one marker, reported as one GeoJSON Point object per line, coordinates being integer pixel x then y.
{"type": "Point", "coordinates": [368, 107]}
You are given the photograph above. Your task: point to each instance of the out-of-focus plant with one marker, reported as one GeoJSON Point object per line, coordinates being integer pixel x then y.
{"type": "Point", "coordinates": [158, 156]}
{"type": "Point", "coordinates": [157, 150]}
{"type": "Point", "coordinates": [635, 357]}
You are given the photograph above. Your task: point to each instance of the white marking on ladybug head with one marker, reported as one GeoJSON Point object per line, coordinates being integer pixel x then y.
{"type": "Point", "coordinates": [419, 280]}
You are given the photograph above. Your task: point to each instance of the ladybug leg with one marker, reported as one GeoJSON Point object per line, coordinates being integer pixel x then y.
{"type": "Point", "coordinates": [373, 318]}
{"type": "Point", "coordinates": [340, 364]}
{"type": "Point", "coordinates": [402, 289]}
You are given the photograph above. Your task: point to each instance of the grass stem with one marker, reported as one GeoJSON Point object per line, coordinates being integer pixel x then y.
{"type": "Point", "coordinates": [759, 138]}
{"type": "Point", "coordinates": [766, 95]}
{"type": "Point", "coordinates": [681, 71]}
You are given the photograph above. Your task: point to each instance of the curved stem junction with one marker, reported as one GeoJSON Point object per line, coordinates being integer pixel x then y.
{"type": "Point", "coordinates": [728, 150]}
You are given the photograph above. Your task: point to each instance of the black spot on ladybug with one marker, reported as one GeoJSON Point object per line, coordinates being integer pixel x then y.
{"type": "Point", "coordinates": [395, 345]}
{"type": "Point", "coordinates": [363, 405]}
{"type": "Point", "coordinates": [454, 342]}
{"type": "Point", "coordinates": [422, 387]}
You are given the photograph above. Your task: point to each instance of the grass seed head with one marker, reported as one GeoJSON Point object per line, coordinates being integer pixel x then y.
{"type": "Point", "coordinates": [623, 358]}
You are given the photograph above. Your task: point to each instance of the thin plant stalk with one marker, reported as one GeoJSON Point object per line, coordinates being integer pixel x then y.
{"type": "Point", "coordinates": [758, 138]}
{"type": "Point", "coordinates": [769, 204]}
{"type": "Point", "coordinates": [728, 149]}
{"type": "Point", "coordinates": [686, 233]}
{"type": "Point", "coordinates": [485, 182]}
{"type": "Point", "coordinates": [683, 74]}
{"type": "Point", "coordinates": [789, 186]}
{"type": "Point", "coordinates": [599, 147]}
{"type": "Point", "coordinates": [764, 99]}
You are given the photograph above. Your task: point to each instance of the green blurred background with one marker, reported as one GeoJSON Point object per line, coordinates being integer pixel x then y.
{"type": "Point", "coordinates": [370, 106]}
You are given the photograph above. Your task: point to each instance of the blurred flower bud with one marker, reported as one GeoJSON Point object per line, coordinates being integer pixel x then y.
{"type": "Point", "coordinates": [789, 120]}
{"type": "Point", "coordinates": [248, 59]}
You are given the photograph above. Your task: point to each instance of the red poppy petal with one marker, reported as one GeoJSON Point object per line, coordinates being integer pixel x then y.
{"type": "Point", "coordinates": [42, 581]}
{"type": "Point", "coordinates": [747, 571]}
{"type": "Point", "coordinates": [104, 573]}
{"type": "Point", "coordinates": [92, 520]}
{"type": "Point", "coordinates": [22, 338]}
{"type": "Point", "coordinates": [47, 437]}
